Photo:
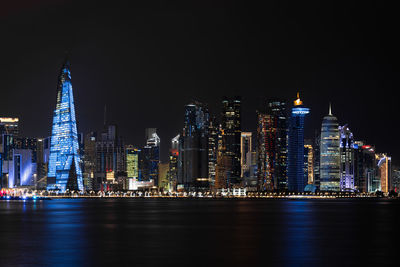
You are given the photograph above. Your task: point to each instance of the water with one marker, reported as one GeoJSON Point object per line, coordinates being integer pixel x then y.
{"type": "Point", "coordinates": [199, 232]}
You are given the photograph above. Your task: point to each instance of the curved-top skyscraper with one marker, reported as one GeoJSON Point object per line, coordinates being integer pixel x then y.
{"type": "Point", "coordinates": [62, 174]}
{"type": "Point", "coordinates": [330, 154]}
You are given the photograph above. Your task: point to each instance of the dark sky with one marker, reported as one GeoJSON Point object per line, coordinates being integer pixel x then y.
{"type": "Point", "coordinates": [146, 60]}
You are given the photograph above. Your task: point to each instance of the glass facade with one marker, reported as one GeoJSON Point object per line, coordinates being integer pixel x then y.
{"type": "Point", "coordinates": [64, 146]}
{"type": "Point", "coordinates": [346, 159]}
{"type": "Point", "coordinates": [150, 157]}
{"type": "Point", "coordinates": [194, 147]}
{"type": "Point", "coordinates": [245, 149]}
{"type": "Point", "coordinates": [231, 125]}
{"type": "Point", "coordinates": [272, 135]}
{"type": "Point", "coordinates": [132, 162]}
{"type": "Point", "coordinates": [330, 154]}
{"type": "Point", "coordinates": [266, 132]}
{"type": "Point", "coordinates": [296, 179]}
{"type": "Point", "coordinates": [278, 110]}
{"type": "Point", "coordinates": [384, 166]}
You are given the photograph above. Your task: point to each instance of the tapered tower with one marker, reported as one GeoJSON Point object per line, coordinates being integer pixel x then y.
{"type": "Point", "coordinates": [330, 153]}
{"type": "Point", "coordinates": [64, 139]}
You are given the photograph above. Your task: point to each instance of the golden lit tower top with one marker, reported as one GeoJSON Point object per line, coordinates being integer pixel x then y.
{"type": "Point", "coordinates": [298, 102]}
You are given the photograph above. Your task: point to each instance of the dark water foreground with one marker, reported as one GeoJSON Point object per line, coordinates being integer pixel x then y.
{"type": "Point", "coordinates": [199, 232]}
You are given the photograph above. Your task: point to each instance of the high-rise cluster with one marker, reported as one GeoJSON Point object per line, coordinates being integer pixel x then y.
{"type": "Point", "coordinates": [210, 153]}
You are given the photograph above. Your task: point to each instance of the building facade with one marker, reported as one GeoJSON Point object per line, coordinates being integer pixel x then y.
{"type": "Point", "coordinates": [64, 147]}
{"type": "Point", "coordinates": [110, 160]}
{"type": "Point", "coordinates": [309, 161]}
{"type": "Point", "coordinates": [384, 170]}
{"type": "Point", "coordinates": [132, 166]}
{"type": "Point", "coordinates": [266, 133]}
{"type": "Point", "coordinates": [296, 179]}
{"type": "Point", "coordinates": [231, 126]}
{"type": "Point", "coordinates": [245, 149]}
{"type": "Point", "coordinates": [150, 157]}
{"type": "Point", "coordinates": [330, 154]}
{"type": "Point", "coordinates": [194, 148]}
{"type": "Point", "coordinates": [346, 159]}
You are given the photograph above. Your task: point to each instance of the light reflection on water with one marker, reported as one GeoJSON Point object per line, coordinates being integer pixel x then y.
{"type": "Point", "coordinates": [188, 232]}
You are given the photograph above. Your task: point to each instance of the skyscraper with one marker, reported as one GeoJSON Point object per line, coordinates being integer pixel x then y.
{"type": "Point", "coordinates": [89, 160]}
{"type": "Point", "coordinates": [365, 173]}
{"type": "Point", "coordinates": [278, 109]}
{"type": "Point", "coordinates": [384, 165]}
{"type": "Point", "coordinates": [231, 125]}
{"type": "Point", "coordinates": [150, 156]}
{"type": "Point", "coordinates": [194, 147]}
{"type": "Point", "coordinates": [346, 159]}
{"type": "Point", "coordinates": [330, 154]}
{"type": "Point", "coordinates": [272, 146]}
{"type": "Point", "coordinates": [266, 131]}
{"type": "Point", "coordinates": [213, 130]}
{"type": "Point", "coordinates": [110, 160]}
{"type": "Point", "coordinates": [174, 162]}
{"type": "Point", "coordinates": [309, 161]}
{"type": "Point", "coordinates": [317, 145]}
{"type": "Point", "coordinates": [296, 179]}
{"type": "Point", "coordinates": [245, 149]}
{"type": "Point", "coordinates": [64, 148]}
{"type": "Point", "coordinates": [132, 166]}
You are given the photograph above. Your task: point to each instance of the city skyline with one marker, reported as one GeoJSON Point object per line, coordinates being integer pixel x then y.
{"type": "Point", "coordinates": [208, 156]}
{"type": "Point", "coordinates": [209, 132]}
{"type": "Point", "coordinates": [275, 57]}
{"type": "Point", "coordinates": [309, 132]}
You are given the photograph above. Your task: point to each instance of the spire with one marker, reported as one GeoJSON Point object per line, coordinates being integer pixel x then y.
{"type": "Point", "coordinates": [330, 109]}
{"type": "Point", "coordinates": [65, 74]}
{"type": "Point", "coordinates": [66, 63]}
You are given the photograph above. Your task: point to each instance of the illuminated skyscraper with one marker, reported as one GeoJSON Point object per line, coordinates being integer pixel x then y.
{"type": "Point", "coordinates": [308, 161]}
{"type": "Point", "coordinates": [64, 148]}
{"type": "Point", "coordinates": [231, 125]}
{"type": "Point", "coordinates": [330, 154]}
{"type": "Point", "coordinates": [384, 165]}
{"type": "Point", "coordinates": [89, 160]}
{"type": "Point", "coordinates": [296, 179]}
{"type": "Point", "coordinates": [266, 132]}
{"type": "Point", "coordinates": [132, 166]}
{"type": "Point", "coordinates": [174, 162]}
{"type": "Point", "coordinates": [278, 109]}
{"type": "Point", "coordinates": [150, 157]}
{"type": "Point", "coordinates": [272, 134]}
{"type": "Point", "coordinates": [316, 163]}
{"type": "Point", "coordinates": [245, 149]}
{"type": "Point", "coordinates": [194, 147]}
{"type": "Point", "coordinates": [365, 173]}
{"type": "Point", "coordinates": [213, 130]}
{"type": "Point", "coordinates": [110, 160]}
{"type": "Point", "coordinates": [346, 159]}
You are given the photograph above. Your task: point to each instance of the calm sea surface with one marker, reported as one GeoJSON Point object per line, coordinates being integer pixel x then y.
{"type": "Point", "coordinates": [199, 232]}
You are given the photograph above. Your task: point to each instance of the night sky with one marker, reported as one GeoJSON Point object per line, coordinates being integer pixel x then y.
{"type": "Point", "coordinates": [146, 60]}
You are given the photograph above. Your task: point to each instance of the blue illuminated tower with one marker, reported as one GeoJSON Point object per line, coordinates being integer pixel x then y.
{"type": "Point", "coordinates": [64, 146]}
{"type": "Point", "coordinates": [295, 171]}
